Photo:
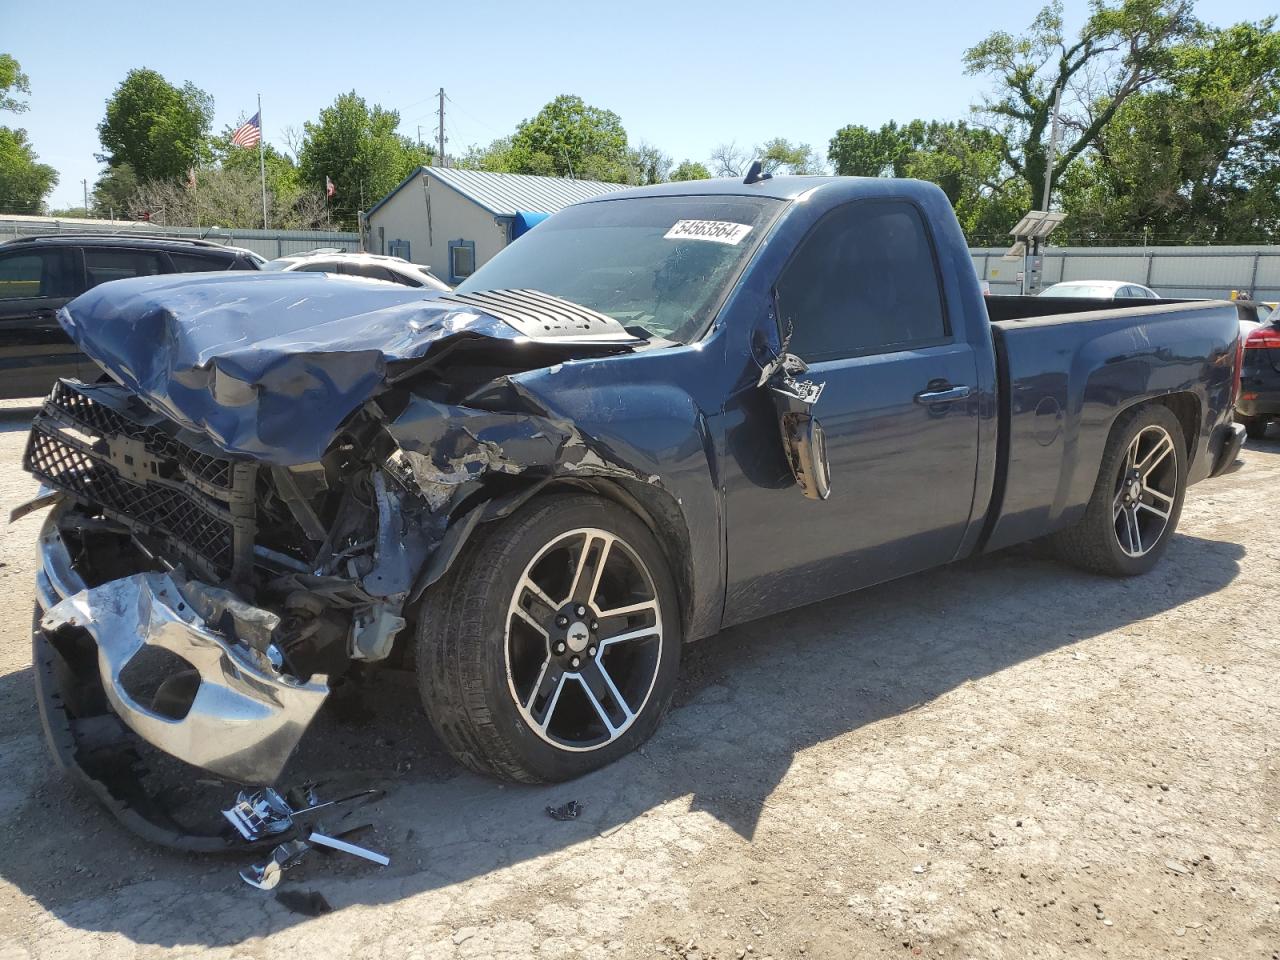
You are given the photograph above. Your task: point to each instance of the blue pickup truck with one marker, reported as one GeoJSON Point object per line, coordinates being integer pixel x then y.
{"type": "Point", "coordinates": [658, 414]}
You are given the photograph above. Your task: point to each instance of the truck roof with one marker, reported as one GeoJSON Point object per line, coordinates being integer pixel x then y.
{"type": "Point", "coordinates": [779, 188]}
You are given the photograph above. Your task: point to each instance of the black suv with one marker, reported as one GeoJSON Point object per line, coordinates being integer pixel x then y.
{"type": "Point", "coordinates": [40, 274]}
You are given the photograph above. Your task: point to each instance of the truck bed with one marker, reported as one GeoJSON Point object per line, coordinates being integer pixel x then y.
{"type": "Point", "coordinates": [1068, 368]}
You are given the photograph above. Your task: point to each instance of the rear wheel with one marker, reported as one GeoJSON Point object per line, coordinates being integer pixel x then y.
{"type": "Point", "coordinates": [553, 647]}
{"type": "Point", "coordinates": [1137, 500]}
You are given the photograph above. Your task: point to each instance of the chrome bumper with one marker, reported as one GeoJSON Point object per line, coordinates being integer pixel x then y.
{"type": "Point", "coordinates": [245, 717]}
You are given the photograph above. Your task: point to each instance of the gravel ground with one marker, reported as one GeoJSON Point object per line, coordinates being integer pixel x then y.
{"type": "Point", "coordinates": [1004, 758]}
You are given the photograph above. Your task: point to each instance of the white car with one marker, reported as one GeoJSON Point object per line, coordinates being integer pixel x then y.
{"type": "Point", "coordinates": [369, 265]}
{"type": "Point", "coordinates": [1100, 290]}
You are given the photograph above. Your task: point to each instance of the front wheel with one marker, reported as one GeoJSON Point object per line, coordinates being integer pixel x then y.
{"type": "Point", "coordinates": [1137, 500]}
{"type": "Point", "coordinates": [553, 646]}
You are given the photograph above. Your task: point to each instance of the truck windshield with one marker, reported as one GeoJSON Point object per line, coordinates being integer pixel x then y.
{"type": "Point", "coordinates": [660, 263]}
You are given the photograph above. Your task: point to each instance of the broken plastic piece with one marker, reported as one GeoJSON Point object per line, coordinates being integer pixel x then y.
{"type": "Point", "coordinates": [324, 840]}
{"type": "Point", "coordinates": [568, 811]}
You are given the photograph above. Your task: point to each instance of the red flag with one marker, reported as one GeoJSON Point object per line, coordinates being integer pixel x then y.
{"type": "Point", "coordinates": [329, 189]}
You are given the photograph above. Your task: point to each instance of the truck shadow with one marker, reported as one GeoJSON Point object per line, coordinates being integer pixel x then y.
{"type": "Point", "coordinates": [750, 699]}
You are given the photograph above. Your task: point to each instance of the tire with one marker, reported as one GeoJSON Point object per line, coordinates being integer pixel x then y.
{"type": "Point", "coordinates": [1104, 540]}
{"type": "Point", "coordinates": [520, 685]}
{"type": "Point", "coordinates": [1255, 428]}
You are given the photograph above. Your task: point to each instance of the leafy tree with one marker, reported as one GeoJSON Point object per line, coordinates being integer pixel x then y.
{"type": "Point", "coordinates": [648, 165]}
{"type": "Point", "coordinates": [159, 130]}
{"type": "Point", "coordinates": [570, 138]}
{"type": "Point", "coordinates": [1195, 158]}
{"type": "Point", "coordinates": [1123, 48]}
{"type": "Point", "coordinates": [12, 80]}
{"type": "Point", "coordinates": [230, 196]}
{"type": "Point", "coordinates": [24, 181]}
{"type": "Point", "coordinates": [966, 162]}
{"type": "Point", "coordinates": [359, 149]}
{"type": "Point", "coordinates": [690, 170]}
{"type": "Point", "coordinates": [777, 156]}
{"type": "Point", "coordinates": [115, 193]}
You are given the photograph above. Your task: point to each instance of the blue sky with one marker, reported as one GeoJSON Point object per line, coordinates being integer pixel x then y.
{"type": "Point", "coordinates": [683, 76]}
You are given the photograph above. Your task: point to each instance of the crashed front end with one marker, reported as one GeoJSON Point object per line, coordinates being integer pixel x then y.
{"type": "Point", "coordinates": [251, 505]}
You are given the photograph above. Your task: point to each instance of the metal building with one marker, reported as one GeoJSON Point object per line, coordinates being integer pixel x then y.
{"type": "Point", "coordinates": [454, 220]}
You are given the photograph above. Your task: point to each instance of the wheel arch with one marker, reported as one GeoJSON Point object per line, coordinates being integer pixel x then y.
{"type": "Point", "coordinates": [654, 506]}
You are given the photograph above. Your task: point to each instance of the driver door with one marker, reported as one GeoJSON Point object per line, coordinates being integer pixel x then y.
{"type": "Point", "coordinates": [898, 407]}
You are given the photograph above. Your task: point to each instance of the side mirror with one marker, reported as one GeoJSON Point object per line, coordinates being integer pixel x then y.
{"type": "Point", "coordinates": [803, 440]}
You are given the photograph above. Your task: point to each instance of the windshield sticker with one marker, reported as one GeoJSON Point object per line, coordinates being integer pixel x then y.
{"type": "Point", "coordinates": [717, 231]}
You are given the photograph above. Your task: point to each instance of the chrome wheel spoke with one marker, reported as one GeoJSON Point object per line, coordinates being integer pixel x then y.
{"type": "Point", "coordinates": [1163, 497]}
{"type": "Point", "coordinates": [533, 600]}
{"type": "Point", "coordinates": [1162, 514]}
{"type": "Point", "coordinates": [630, 635]}
{"type": "Point", "coordinates": [1163, 447]}
{"type": "Point", "coordinates": [608, 703]}
{"type": "Point", "coordinates": [591, 559]}
{"type": "Point", "coordinates": [541, 705]}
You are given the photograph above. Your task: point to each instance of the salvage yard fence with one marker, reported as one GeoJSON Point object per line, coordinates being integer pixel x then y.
{"type": "Point", "coordinates": [267, 243]}
{"type": "Point", "coordinates": [1211, 272]}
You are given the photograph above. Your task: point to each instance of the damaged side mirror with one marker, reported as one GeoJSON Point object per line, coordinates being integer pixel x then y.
{"type": "Point", "coordinates": [803, 440]}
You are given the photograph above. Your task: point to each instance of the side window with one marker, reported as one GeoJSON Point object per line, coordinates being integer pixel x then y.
{"type": "Point", "coordinates": [462, 260]}
{"type": "Point", "coordinates": [102, 265]}
{"type": "Point", "coordinates": [197, 263]}
{"type": "Point", "coordinates": [371, 270]}
{"type": "Point", "coordinates": [863, 281]}
{"type": "Point", "coordinates": [320, 266]}
{"type": "Point", "coordinates": [44, 273]}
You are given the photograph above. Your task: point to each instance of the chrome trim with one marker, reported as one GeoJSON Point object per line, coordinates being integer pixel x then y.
{"type": "Point", "coordinates": [245, 719]}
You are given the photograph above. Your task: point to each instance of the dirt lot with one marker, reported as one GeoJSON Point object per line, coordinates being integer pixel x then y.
{"type": "Point", "coordinates": [1001, 759]}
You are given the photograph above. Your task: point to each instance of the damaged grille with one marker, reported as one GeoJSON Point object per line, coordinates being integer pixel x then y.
{"type": "Point", "coordinates": [101, 447]}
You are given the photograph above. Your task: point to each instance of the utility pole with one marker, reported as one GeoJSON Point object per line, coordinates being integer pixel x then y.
{"type": "Point", "coordinates": [440, 133]}
{"type": "Point", "coordinates": [85, 184]}
{"type": "Point", "coordinates": [419, 134]}
{"type": "Point", "coordinates": [1052, 148]}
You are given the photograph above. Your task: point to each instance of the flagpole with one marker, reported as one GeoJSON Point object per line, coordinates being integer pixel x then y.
{"type": "Point", "coordinates": [262, 163]}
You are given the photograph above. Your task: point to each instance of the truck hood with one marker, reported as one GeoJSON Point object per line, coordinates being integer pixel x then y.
{"type": "Point", "coordinates": [270, 365]}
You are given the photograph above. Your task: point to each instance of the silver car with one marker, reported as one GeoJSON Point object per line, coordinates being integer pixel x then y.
{"type": "Point", "coordinates": [369, 265]}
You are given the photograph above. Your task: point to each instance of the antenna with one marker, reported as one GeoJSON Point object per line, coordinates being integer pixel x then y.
{"type": "Point", "coordinates": [756, 172]}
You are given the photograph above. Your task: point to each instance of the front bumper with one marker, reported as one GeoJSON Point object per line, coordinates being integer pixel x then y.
{"type": "Point", "coordinates": [238, 717]}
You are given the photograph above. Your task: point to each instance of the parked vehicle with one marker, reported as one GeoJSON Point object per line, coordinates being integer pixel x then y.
{"type": "Point", "coordinates": [640, 424]}
{"type": "Point", "coordinates": [1100, 290]}
{"type": "Point", "coordinates": [38, 275]}
{"type": "Point", "coordinates": [1259, 402]}
{"type": "Point", "coordinates": [372, 266]}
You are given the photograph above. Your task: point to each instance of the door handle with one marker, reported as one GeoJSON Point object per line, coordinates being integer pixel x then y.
{"type": "Point", "coordinates": [944, 394]}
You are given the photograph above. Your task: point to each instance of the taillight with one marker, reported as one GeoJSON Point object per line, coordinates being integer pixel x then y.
{"type": "Point", "coordinates": [1263, 338]}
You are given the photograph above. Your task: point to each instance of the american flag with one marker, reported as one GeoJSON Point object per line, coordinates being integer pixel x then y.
{"type": "Point", "coordinates": [248, 133]}
{"type": "Point", "coordinates": [329, 188]}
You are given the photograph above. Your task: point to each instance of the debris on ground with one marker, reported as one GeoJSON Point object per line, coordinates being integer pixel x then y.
{"type": "Point", "coordinates": [268, 814]}
{"type": "Point", "coordinates": [568, 811]}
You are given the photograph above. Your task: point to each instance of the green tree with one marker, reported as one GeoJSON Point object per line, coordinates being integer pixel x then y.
{"type": "Point", "coordinates": [359, 149]}
{"type": "Point", "coordinates": [966, 162]}
{"type": "Point", "coordinates": [12, 80]}
{"type": "Point", "coordinates": [1124, 47]}
{"type": "Point", "coordinates": [690, 170]}
{"type": "Point", "coordinates": [24, 180]}
{"type": "Point", "coordinates": [648, 165]}
{"type": "Point", "coordinates": [159, 130]}
{"type": "Point", "coordinates": [570, 138]}
{"type": "Point", "coordinates": [1195, 159]}
{"type": "Point", "coordinates": [778, 156]}
{"type": "Point", "coordinates": [115, 193]}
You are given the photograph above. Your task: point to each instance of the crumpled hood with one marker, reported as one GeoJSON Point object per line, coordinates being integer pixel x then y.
{"type": "Point", "coordinates": [269, 365]}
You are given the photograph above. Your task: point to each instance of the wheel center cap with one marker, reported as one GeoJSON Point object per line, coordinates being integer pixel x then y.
{"type": "Point", "coordinates": [1135, 490]}
{"type": "Point", "coordinates": [578, 637]}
